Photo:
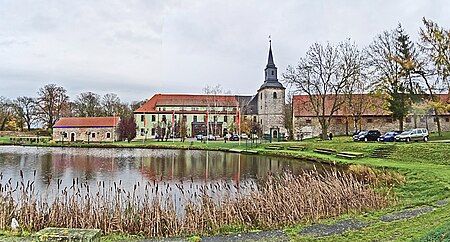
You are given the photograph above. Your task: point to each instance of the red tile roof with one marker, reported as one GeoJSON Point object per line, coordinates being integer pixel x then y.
{"type": "Point", "coordinates": [87, 122]}
{"type": "Point", "coordinates": [302, 105]}
{"type": "Point", "coordinates": [187, 100]}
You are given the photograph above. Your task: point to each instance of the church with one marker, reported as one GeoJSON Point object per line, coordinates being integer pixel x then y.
{"type": "Point", "coordinates": [261, 114]}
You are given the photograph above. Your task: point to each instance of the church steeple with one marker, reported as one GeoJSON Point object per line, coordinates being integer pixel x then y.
{"type": "Point", "coordinates": [270, 63]}
{"type": "Point", "coordinates": [270, 73]}
{"type": "Point", "coordinates": [271, 69]}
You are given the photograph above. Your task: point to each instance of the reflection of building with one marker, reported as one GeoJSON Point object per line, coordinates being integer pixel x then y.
{"type": "Point", "coordinates": [372, 115]}
{"type": "Point", "coordinates": [86, 129]}
{"type": "Point", "coordinates": [216, 114]}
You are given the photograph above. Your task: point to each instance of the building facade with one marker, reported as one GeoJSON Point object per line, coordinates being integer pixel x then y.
{"type": "Point", "coordinates": [262, 114]}
{"type": "Point", "coordinates": [371, 115]}
{"type": "Point", "coordinates": [86, 129]}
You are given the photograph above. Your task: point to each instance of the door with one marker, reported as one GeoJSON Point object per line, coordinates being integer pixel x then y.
{"type": "Point", "coordinates": [72, 137]}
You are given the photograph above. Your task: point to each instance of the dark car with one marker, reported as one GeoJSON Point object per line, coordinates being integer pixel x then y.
{"type": "Point", "coordinates": [234, 137]}
{"type": "Point", "coordinates": [369, 135]}
{"type": "Point", "coordinates": [389, 136]}
{"type": "Point", "coordinates": [356, 134]}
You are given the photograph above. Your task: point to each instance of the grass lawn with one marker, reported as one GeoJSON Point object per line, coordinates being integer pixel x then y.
{"type": "Point", "coordinates": [443, 136]}
{"type": "Point", "coordinates": [426, 167]}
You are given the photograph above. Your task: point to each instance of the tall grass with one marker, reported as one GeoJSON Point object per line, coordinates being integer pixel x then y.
{"type": "Point", "coordinates": [151, 209]}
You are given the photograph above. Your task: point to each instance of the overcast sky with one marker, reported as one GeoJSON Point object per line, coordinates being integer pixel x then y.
{"type": "Point", "coordinates": [139, 48]}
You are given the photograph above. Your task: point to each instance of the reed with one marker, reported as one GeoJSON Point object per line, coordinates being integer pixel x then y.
{"type": "Point", "coordinates": [158, 209]}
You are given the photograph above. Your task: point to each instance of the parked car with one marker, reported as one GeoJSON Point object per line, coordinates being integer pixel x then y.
{"type": "Point", "coordinates": [413, 135]}
{"type": "Point", "coordinates": [369, 135]}
{"type": "Point", "coordinates": [244, 136]}
{"type": "Point", "coordinates": [234, 137]}
{"type": "Point", "coordinates": [199, 137]}
{"type": "Point", "coordinates": [356, 134]}
{"type": "Point", "coordinates": [211, 137]}
{"type": "Point", "coordinates": [389, 136]}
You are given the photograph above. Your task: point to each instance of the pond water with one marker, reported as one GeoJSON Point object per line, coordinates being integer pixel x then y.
{"type": "Point", "coordinates": [48, 166]}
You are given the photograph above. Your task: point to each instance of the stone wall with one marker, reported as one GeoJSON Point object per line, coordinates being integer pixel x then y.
{"type": "Point", "coordinates": [85, 134]}
{"type": "Point", "coordinates": [310, 126]}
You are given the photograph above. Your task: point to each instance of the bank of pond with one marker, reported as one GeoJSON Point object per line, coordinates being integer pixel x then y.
{"type": "Point", "coordinates": [167, 192]}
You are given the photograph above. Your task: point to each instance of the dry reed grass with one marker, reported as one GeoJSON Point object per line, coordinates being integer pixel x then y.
{"type": "Point", "coordinates": [151, 210]}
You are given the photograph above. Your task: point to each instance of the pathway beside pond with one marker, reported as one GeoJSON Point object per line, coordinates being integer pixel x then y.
{"type": "Point", "coordinates": [317, 230]}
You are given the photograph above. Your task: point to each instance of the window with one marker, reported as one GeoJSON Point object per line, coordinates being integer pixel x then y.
{"type": "Point", "coordinates": [108, 135]}
{"type": "Point", "coordinates": [153, 118]}
{"type": "Point", "coordinates": [308, 121]}
{"type": "Point", "coordinates": [339, 120]}
{"type": "Point", "coordinates": [142, 118]}
{"type": "Point", "coordinates": [215, 119]}
{"type": "Point", "coordinates": [225, 119]}
{"type": "Point", "coordinates": [153, 131]}
{"type": "Point", "coordinates": [369, 120]}
{"type": "Point", "coordinates": [422, 120]}
{"type": "Point", "coordinates": [142, 132]}
{"type": "Point", "coordinates": [93, 135]}
{"type": "Point", "coordinates": [195, 118]}
{"type": "Point", "coordinates": [254, 119]}
{"type": "Point", "coordinates": [66, 135]}
{"type": "Point", "coordinates": [273, 73]}
{"type": "Point", "coordinates": [234, 119]}
{"type": "Point", "coordinates": [164, 118]}
{"type": "Point", "coordinates": [184, 118]}
{"type": "Point", "coordinates": [164, 109]}
{"type": "Point", "coordinates": [435, 119]}
{"type": "Point", "coordinates": [274, 95]}
{"type": "Point", "coordinates": [261, 97]}
{"type": "Point", "coordinates": [388, 120]}
{"type": "Point", "coordinates": [408, 119]}
{"type": "Point", "coordinates": [447, 120]}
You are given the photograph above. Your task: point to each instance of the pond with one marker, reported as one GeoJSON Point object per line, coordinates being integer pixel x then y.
{"type": "Point", "coordinates": [46, 165]}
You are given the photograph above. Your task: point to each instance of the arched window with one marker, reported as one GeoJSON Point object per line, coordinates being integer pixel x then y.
{"type": "Point", "coordinates": [274, 95]}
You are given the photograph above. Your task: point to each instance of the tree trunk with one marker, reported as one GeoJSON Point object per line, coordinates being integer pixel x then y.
{"type": "Point", "coordinates": [346, 126]}
{"type": "Point", "coordinates": [438, 122]}
{"type": "Point", "coordinates": [400, 123]}
{"type": "Point", "coordinates": [415, 121]}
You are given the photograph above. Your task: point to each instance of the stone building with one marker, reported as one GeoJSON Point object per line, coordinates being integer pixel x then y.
{"type": "Point", "coordinates": [216, 114]}
{"type": "Point", "coordinates": [86, 129]}
{"type": "Point", "coordinates": [370, 116]}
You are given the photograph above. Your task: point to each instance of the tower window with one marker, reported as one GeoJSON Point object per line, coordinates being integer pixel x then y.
{"type": "Point", "coordinates": [273, 73]}
{"type": "Point", "coordinates": [274, 95]}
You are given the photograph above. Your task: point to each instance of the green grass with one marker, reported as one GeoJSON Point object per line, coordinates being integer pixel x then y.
{"type": "Point", "coordinates": [426, 167]}
{"type": "Point", "coordinates": [444, 136]}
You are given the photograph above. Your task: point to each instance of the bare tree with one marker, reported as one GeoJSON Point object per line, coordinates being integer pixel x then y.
{"type": "Point", "coordinates": [26, 109]}
{"type": "Point", "coordinates": [87, 104]}
{"type": "Point", "coordinates": [111, 104]}
{"type": "Point", "coordinates": [388, 76]}
{"type": "Point", "coordinates": [53, 103]}
{"type": "Point", "coordinates": [435, 44]}
{"type": "Point", "coordinates": [324, 75]}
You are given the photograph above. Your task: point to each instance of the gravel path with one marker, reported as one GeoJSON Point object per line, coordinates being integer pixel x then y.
{"type": "Point", "coordinates": [405, 214]}
{"type": "Point", "coordinates": [275, 235]}
{"type": "Point", "coordinates": [319, 230]}
{"type": "Point", "coordinates": [441, 203]}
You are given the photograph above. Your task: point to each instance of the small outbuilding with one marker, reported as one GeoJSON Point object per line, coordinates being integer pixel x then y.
{"type": "Point", "coordinates": [86, 129]}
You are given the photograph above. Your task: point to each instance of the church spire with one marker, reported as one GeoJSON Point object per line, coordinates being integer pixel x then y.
{"type": "Point", "coordinates": [270, 63]}
{"type": "Point", "coordinates": [270, 73]}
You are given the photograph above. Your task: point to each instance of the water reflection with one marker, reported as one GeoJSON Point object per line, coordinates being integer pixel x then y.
{"type": "Point", "coordinates": [130, 166]}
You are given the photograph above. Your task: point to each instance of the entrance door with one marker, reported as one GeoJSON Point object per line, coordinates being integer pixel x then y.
{"type": "Point", "coordinates": [72, 137]}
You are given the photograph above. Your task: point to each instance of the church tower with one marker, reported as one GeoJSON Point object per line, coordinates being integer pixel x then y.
{"type": "Point", "coordinates": [271, 101]}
